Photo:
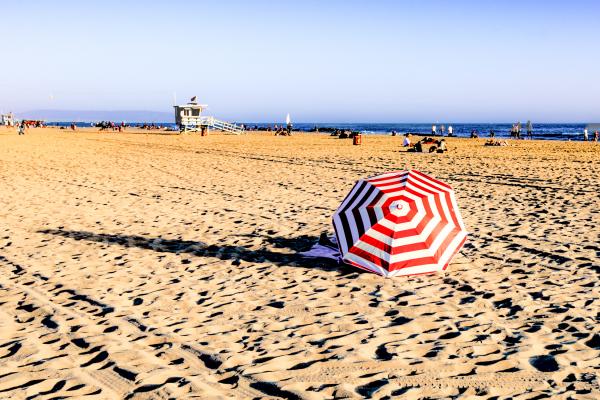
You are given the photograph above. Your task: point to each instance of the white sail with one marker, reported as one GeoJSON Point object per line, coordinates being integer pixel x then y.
{"type": "Point", "coordinates": [288, 120]}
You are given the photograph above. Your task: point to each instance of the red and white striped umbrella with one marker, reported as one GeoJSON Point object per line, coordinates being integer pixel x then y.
{"type": "Point", "coordinates": [399, 223]}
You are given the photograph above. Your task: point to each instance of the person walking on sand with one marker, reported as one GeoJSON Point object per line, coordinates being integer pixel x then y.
{"type": "Point", "coordinates": [595, 136]}
{"type": "Point", "coordinates": [433, 129]}
{"type": "Point", "coordinates": [450, 130]}
{"type": "Point", "coordinates": [21, 128]}
{"type": "Point", "coordinates": [585, 135]}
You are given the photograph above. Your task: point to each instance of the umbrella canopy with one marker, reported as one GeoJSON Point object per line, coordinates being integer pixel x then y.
{"type": "Point", "coordinates": [399, 223]}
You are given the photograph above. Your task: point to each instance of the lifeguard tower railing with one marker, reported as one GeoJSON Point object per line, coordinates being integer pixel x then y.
{"type": "Point", "coordinates": [195, 123]}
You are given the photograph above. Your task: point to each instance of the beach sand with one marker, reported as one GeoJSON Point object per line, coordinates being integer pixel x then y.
{"type": "Point", "coordinates": [142, 266]}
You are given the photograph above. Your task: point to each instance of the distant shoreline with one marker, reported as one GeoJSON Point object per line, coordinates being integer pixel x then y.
{"type": "Point", "coordinates": [541, 131]}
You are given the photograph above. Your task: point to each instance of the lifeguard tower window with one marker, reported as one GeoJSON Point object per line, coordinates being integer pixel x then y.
{"type": "Point", "coordinates": [186, 112]}
{"type": "Point", "coordinates": [195, 112]}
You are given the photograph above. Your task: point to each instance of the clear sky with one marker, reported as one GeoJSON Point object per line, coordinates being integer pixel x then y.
{"type": "Point", "coordinates": [321, 61]}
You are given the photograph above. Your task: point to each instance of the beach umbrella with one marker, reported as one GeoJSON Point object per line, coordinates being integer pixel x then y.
{"type": "Point", "coordinates": [399, 223]}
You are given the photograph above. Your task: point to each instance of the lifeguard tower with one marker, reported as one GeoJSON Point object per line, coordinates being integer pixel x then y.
{"type": "Point", "coordinates": [7, 119]}
{"type": "Point", "coordinates": [189, 118]}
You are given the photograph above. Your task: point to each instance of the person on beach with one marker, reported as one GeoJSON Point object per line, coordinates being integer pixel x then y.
{"type": "Point", "coordinates": [492, 133]}
{"type": "Point", "coordinates": [433, 129]}
{"type": "Point", "coordinates": [450, 130]}
{"type": "Point", "coordinates": [441, 146]}
{"type": "Point", "coordinates": [493, 142]}
{"type": "Point", "coordinates": [442, 130]}
{"type": "Point", "coordinates": [595, 136]}
{"type": "Point", "coordinates": [418, 147]}
{"type": "Point", "coordinates": [406, 141]}
{"type": "Point", "coordinates": [515, 132]}
{"type": "Point", "coordinates": [21, 128]}
{"type": "Point", "coordinates": [289, 128]}
{"type": "Point", "coordinates": [585, 135]}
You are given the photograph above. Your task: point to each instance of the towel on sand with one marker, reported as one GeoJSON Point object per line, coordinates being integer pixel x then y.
{"type": "Point", "coordinates": [326, 247]}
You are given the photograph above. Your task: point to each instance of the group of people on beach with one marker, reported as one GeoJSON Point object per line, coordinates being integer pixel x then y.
{"type": "Point", "coordinates": [32, 123]}
{"type": "Point", "coordinates": [281, 131]}
{"type": "Point", "coordinates": [436, 145]}
{"type": "Point", "coordinates": [515, 131]}
{"type": "Point", "coordinates": [442, 130]}
{"type": "Point", "coordinates": [493, 142]}
{"type": "Point", "coordinates": [26, 124]}
{"type": "Point", "coordinates": [344, 134]}
{"type": "Point", "coordinates": [151, 127]}
{"type": "Point", "coordinates": [109, 125]}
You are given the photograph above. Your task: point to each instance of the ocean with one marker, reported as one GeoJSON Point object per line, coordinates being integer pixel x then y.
{"type": "Point", "coordinates": [502, 130]}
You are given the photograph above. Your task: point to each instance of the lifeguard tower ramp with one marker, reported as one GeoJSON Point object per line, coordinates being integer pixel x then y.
{"type": "Point", "coordinates": [189, 118]}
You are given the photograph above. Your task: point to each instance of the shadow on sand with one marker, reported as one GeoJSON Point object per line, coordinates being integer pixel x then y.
{"type": "Point", "coordinates": [223, 252]}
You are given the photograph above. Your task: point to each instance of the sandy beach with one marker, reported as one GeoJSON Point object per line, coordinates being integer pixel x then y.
{"type": "Point", "coordinates": [148, 266]}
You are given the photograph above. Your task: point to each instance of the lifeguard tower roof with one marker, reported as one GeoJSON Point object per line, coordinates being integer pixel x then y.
{"type": "Point", "coordinates": [192, 106]}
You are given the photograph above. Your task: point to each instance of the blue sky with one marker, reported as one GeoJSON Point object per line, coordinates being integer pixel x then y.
{"type": "Point", "coordinates": [322, 61]}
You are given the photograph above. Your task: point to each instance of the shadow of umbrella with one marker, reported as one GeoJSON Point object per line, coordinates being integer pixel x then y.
{"type": "Point", "coordinates": [222, 252]}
